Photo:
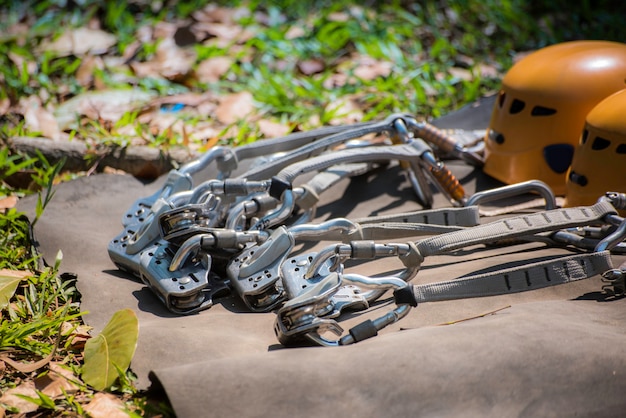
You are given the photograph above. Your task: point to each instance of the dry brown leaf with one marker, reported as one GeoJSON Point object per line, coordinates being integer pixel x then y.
{"type": "Point", "coordinates": [295, 32]}
{"type": "Point", "coordinates": [57, 381]}
{"type": "Point", "coordinates": [271, 129]}
{"type": "Point", "coordinates": [338, 17]}
{"type": "Point", "coordinates": [345, 110]}
{"type": "Point", "coordinates": [218, 14]}
{"type": "Point", "coordinates": [5, 105]}
{"type": "Point", "coordinates": [234, 107]}
{"type": "Point", "coordinates": [202, 132]}
{"type": "Point", "coordinates": [84, 73]}
{"type": "Point", "coordinates": [488, 71]}
{"type": "Point", "coordinates": [368, 68]}
{"type": "Point", "coordinates": [22, 274]}
{"type": "Point", "coordinates": [461, 73]}
{"type": "Point", "coordinates": [39, 119]}
{"type": "Point", "coordinates": [336, 80]}
{"type": "Point", "coordinates": [8, 202]}
{"type": "Point", "coordinates": [105, 405]}
{"type": "Point", "coordinates": [212, 69]}
{"type": "Point", "coordinates": [11, 399]}
{"type": "Point", "coordinates": [311, 66]}
{"type": "Point", "coordinates": [192, 99]}
{"type": "Point", "coordinates": [170, 61]}
{"type": "Point", "coordinates": [105, 105]}
{"type": "Point", "coordinates": [21, 63]}
{"type": "Point", "coordinates": [164, 30]}
{"type": "Point", "coordinates": [77, 335]}
{"type": "Point", "coordinates": [224, 34]}
{"type": "Point", "coordinates": [81, 41]}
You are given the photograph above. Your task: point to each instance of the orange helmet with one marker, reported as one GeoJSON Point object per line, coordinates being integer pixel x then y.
{"type": "Point", "coordinates": [599, 163]}
{"type": "Point", "coordinates": [541, 109]}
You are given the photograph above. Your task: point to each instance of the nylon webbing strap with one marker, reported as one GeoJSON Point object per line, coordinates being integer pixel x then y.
{"type": "Point", "coordinates": [374, 153]}
{"type": "Point", "coordinates": [386, 231]}
{"type": "Point", "coordinates": [291, 141]}
{"type": "Point", "coordinates": [515, 227]}
{"type": "Point", "coordinates": [517, 279]}
{"type": "Point", "coordinates": [271, 168]}
{"type": "Point", "coordinates": [327, 179]}
{"type": "Point", "coordinates": [465, 216]}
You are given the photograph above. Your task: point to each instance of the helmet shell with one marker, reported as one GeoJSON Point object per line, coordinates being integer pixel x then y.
{"type": "Point", "coordinates": [599, 163]}
{"type": "Point", "coordinates": [541, 109]}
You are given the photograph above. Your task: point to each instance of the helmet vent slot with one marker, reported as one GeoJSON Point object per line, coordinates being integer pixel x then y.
{"type": "Point", "coordinates": [600, 143]}
{"type": "Point", "coordinates": [517, 106]}
{"type": "Point", "coordinates": [501, 98]}
{"type": "Point", "coordinates": [542, 111]}
{"type": "Point", "coordinates": [621, 149]}
{"type": "Point", "coordinates": [584, 136]}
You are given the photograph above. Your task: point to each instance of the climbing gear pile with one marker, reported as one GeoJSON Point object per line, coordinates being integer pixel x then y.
{"type": "Point", "coordinates": [193, 243]}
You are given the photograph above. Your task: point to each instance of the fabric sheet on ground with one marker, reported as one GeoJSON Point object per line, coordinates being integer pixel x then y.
{"type": "Point", "coordinates": [555, 351]}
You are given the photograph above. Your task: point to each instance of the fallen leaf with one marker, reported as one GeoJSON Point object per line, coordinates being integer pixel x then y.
{"type": "Point", "coordinates": [9, 279]}
{"type": "Point", "coordinates": [338, 17]}
{"type": "Point", "coordinates": [108, 105]}
{"type": "Point", "coordinates": [164, 30]}
{"type": "Point", "coordinates": [234, 107]}
{"type": "Point", "coordinates": [84, 73]}
{"type": "Point", "coordinates": [212, 69]}
{"type": "Point", "coordinates": [57, 381]}
{"type": "Point", "coordinates": [39, 119]}
{"type": "Point", "coordinates": [106, 405]}
{"type": "Point", "coordinates": [170, 61]}
{"type": "Point", "coordinates": [203, 132]}
{"type": "Point", "coordinates": [225, 34]}
{"type": "Point", "coordinates": [22, 63]}
{"type": "Point", "coordinates": [344, 110]}
{"type": "Point", "coordinates": [80, 41]}
{"type": "Point", "coordinates": [24, 406]}
{"type": "Point", "coordinates": [187, 99]}
{"type": "Point", "coordinates": [5, 105]}
{"type": "Point", "coordinates": [219, 14]}
{"type": "Point", "coordinates": [271, 129]}
{"type": "Point", "coordinates": [295, 32]}
{"type": "Point", "coordinates": [460, 73]}
{"type": "Point", "coordinates": [368, 68]}
{"type": "Point", "coordinates": [7, 203]}
{"type": "Point", "coordinates": [77, 335]}
{"type": "Point", "coordinates": [311, 66]}
{"type": "Point", "coordinates": [111, 350]}
{"type": "Point", "coordinates": [488, 71]}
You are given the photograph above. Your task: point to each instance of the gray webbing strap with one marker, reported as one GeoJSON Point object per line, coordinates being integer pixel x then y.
{"type": "Point", "coordinates": [291, 141]}
{"type": "Point", "coordinates": [327, 179]}
{"type": "Point", "coordinates": [268, 170]}
{"type": "Point", "coordinates": [373, 153]}
{"type": "Point", "coordinates": [394, 230]}
{"type": "Point", "coordinates": [515, 227]}
{"type": "Point", "coordinates": [464, 216]}
{"type": "Point", "coordinates": [517, 279]}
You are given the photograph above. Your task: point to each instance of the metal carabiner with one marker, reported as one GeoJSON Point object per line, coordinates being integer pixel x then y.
{"type": "Point", "coordinates": [215, 238]}
{"type": "Point", "coordinates": [255, 272]}
{"type": "Point", "coordinates": [310, 315]}
{"type": "Point", "coordinates": [515, 189]}
{"type": "Point", "coordinates": [177, 181]}
{"type": "Point", "coordinates": [338, 253]}
{"type": "Point", "coordinates": [612, 240]}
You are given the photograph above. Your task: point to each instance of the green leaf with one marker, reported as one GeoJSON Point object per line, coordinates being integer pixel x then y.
{"type": "Point", "coordinates": [9, 279]}
{"type": "Point", "coordinates": [113, 348]}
